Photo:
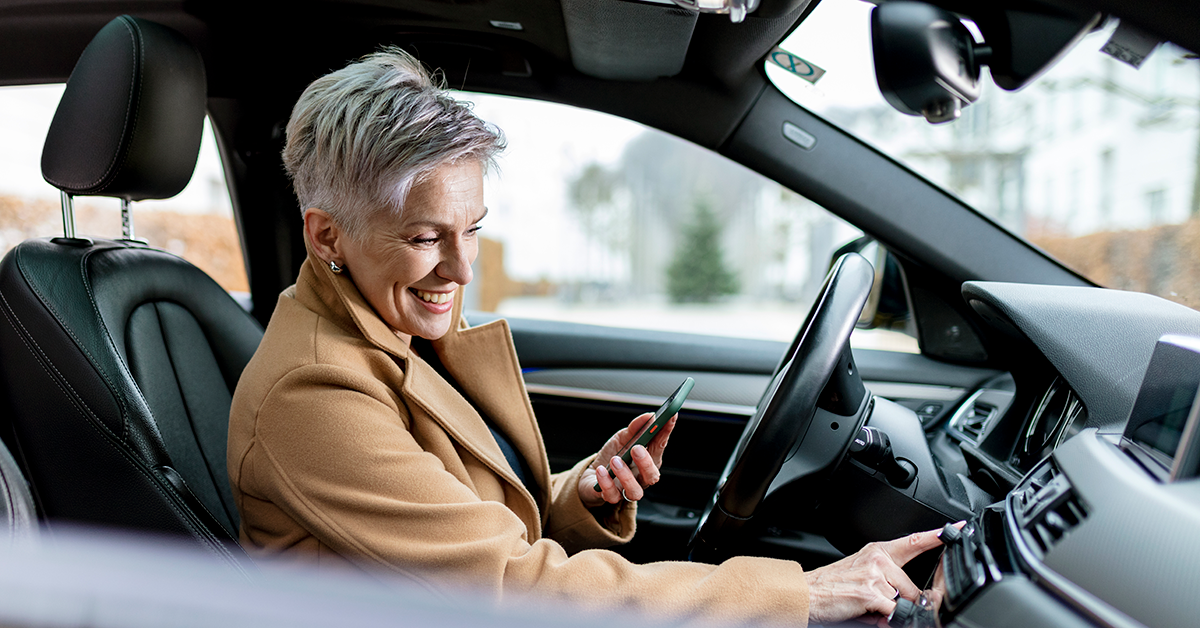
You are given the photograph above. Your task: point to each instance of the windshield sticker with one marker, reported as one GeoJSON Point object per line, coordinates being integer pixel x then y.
{"type": "Point", "coordinates": [796, 65]}
{"type": "Point", "coordinates": [1130, 45]}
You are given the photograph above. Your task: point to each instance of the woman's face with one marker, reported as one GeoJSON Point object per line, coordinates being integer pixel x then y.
{"type": "Point", "coordinates": [409, 269]}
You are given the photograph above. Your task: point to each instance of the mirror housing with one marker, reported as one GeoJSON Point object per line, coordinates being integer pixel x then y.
{"type": "Point", "coordinates": [926, 61]}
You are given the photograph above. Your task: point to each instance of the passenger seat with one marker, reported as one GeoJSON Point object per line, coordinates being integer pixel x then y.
{"type": "Point", "coordinates": [120, 360]}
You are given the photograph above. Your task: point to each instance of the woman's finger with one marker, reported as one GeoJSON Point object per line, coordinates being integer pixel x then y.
{"type": "Point", "coordinates": [618, 440]}
{"type": "Point", "coordinates": [907, 548]}
{"type": "Point", "coordinates": [635, 426]}
{"type": "Point", "coordinates": [659, 444]}
{"type": "Point", "coordinates": [900, 582]}
{"type": "Point", "coordinates": [632, 489]}
{"type": "Point", "coordinates": [608, 488]}
{"type": "Point", "coordinates": [648, 473]}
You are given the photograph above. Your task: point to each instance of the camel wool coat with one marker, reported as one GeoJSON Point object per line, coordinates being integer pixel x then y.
{"type": "Point", "coordinates": [346, 448]}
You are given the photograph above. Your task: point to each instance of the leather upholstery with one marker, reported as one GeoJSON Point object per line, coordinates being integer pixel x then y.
{"type": "Point", "coordinates": [119, 366]}
{"type": "Point", "coordinates": [119, 361]}
{"type": "Point", "coordinates": [130, 120]}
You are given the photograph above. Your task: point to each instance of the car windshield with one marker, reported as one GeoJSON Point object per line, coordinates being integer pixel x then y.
{"type": "Point", "coordinates": [1096, 162]}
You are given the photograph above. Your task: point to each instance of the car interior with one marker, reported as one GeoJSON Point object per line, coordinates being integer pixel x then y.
{"type": "Point", "coordinates": [1055, 417]}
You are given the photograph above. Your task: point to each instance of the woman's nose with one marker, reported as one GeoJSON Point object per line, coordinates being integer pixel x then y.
{"type": "Point", "coordinates": [456, 265]}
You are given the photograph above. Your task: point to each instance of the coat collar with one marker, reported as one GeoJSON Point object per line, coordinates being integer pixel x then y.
{"type": "Point", "coordinates": [481, 359]}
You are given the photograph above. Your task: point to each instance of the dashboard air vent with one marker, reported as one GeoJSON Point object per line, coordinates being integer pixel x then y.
{"type": "Point", "coordinates": [1048, 509]}
{"type": "Point", "coordinates": [976, 416]}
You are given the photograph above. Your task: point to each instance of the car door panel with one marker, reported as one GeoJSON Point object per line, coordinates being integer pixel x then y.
{"type": "Point", "coordinates": [586, 382]}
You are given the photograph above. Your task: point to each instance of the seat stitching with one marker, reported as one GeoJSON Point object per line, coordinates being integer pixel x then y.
{"type": "Point", "coordinates": [49, 305]}
{"type": "Point", "coordinates": [121, 363]}
{"type": "Point", "coordinates": [72, 395]}
{"type": "Point", "coordinates": [27, 338]}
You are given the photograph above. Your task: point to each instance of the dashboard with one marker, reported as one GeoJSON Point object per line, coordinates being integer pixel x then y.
{"type": "Point", "coordinates": [1067, 523]}
{"type": "Point", "coordinates": [1087, 528]}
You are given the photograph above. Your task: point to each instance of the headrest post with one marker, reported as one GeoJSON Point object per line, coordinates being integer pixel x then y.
{"type": "Point", "coordinates": [68, 212]}
{"type": "Point", "coordinates": [127, 220]}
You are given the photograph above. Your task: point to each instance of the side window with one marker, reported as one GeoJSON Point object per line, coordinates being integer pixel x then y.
{"type": "Point", "coordinates": [596, 219]}
{"type": "Point", "coordinates": [197, 224]}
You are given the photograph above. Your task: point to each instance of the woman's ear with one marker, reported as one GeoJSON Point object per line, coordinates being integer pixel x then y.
{"type": "Point", "coordinates": [324, 235]}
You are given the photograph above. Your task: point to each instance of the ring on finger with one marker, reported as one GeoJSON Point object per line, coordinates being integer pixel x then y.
{"type": "Point", "coordinates": [625, 496]}
{"type": "Point", "coordinates": [897, 595]}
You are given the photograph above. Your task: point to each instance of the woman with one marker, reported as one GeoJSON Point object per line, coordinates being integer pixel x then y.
{"type": "Point", "coordinates": [374, 428]}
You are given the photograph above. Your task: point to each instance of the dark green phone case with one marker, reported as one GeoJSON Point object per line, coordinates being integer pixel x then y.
{"type": "Point", "coordinates": [661, 416]}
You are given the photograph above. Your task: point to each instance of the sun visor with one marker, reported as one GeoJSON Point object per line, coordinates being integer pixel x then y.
{"type": "Point", "coordinates": [631, 41]}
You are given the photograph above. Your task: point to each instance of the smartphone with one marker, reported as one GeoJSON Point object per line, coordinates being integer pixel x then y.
{"type": "Point", "coordinates": [664, 413]}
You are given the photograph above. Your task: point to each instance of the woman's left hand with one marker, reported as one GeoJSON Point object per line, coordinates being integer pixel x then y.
{"type": "Point", "coordinates": [646, 463]}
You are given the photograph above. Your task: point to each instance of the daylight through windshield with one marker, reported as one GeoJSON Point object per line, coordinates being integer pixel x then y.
{"type": "Point", "coordinates": [1095, 162]}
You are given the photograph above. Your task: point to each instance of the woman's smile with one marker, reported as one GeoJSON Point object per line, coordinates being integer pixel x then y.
{"type": "Point", "coordinates": [409, 267]}
{"type": "Point", "coordinates": [436, 302]}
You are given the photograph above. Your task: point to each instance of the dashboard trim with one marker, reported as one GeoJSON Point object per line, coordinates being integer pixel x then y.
{"type": "Point", "coordinates": [887, 390]}
{"type": "Point", "coordinates": [925, 392]}
{"type": "Point", "coordinates": [634, 399]}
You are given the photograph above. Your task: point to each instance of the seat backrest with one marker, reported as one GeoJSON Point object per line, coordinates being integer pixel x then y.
{"type": "Point", "coordinates": [119, 360]}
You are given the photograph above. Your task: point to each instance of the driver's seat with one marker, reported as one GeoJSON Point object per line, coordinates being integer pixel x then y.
{"type": "Point", "coordinates": [120, 360]}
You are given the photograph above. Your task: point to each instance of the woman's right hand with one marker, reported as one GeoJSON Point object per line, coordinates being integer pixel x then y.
{"type": "Point", "coordinates": [866, 584]}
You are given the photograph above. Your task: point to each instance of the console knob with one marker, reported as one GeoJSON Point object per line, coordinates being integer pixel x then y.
{"type": "Point", "coordinates": [905, 610]}
{"type": "Point", "coordinates": [950, 535]}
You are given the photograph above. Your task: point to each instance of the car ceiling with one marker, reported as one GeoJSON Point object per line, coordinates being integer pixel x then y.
{"type": "Point", "coordinates": [261, 54]}
{"type": "Point", "coordinates": [274, 47]}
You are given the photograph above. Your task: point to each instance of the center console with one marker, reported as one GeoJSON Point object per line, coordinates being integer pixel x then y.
{"type": "Point", "coordinates": [1105, 531]}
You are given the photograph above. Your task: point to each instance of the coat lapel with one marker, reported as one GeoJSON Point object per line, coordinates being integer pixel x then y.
{"type": "Point", "coordinates": [482, 360]}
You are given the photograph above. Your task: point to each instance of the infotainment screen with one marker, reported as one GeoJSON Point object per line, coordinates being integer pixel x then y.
{"type": "Point", "coordinates": [1166, 400]}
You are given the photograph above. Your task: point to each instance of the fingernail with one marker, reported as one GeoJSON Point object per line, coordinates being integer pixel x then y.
{"type": "Point", "coordinates": [640, 451]}
{"type": "Point", "coordinates": [618, 463]}
{"type": "Point", "coordinates": [608, 470]}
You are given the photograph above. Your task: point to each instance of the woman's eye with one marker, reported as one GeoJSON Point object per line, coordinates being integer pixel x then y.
{"type": "Point", "coordinates": [424, 240]}
{"type": "Point", "coordinates": [473, 230]}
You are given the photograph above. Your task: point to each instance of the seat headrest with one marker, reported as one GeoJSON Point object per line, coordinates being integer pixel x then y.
{"type": "Point", "coordinates": [130, 120]}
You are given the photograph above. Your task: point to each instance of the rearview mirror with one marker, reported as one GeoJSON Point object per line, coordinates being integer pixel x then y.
{"type": "Point", "coordinates": [926, 61]}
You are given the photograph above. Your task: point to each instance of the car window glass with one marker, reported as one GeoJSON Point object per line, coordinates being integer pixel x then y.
{"type": "Point", "coordinates": [1095, 162]}
{"type": "Point", "coordinates": [197, 224]}
{"type": "Point", "coordinates": [596, 219]}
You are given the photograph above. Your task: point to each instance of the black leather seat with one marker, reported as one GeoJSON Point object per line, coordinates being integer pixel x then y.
{"type": "Point", "coordinates": [119, 361]}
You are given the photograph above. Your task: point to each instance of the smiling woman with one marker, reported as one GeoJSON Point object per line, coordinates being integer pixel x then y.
{"type": "Point", "coordinates": [373, 428]}
{"type": "Point", "coordinates": [410, 268]}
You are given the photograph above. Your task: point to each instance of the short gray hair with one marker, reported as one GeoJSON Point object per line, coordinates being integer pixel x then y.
{"type": "Point", "coordinates": [361, 137]}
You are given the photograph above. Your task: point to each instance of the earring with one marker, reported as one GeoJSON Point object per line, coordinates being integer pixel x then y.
{"type": "Point", "coordinates": [337, 270]}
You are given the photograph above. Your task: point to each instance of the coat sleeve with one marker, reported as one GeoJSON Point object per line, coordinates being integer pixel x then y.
{"type": "Point", "coordinates": [333, 451]}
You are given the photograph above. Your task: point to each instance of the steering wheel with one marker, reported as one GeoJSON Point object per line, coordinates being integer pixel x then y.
{"type": "Point", "coordinates": [779, 426]}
